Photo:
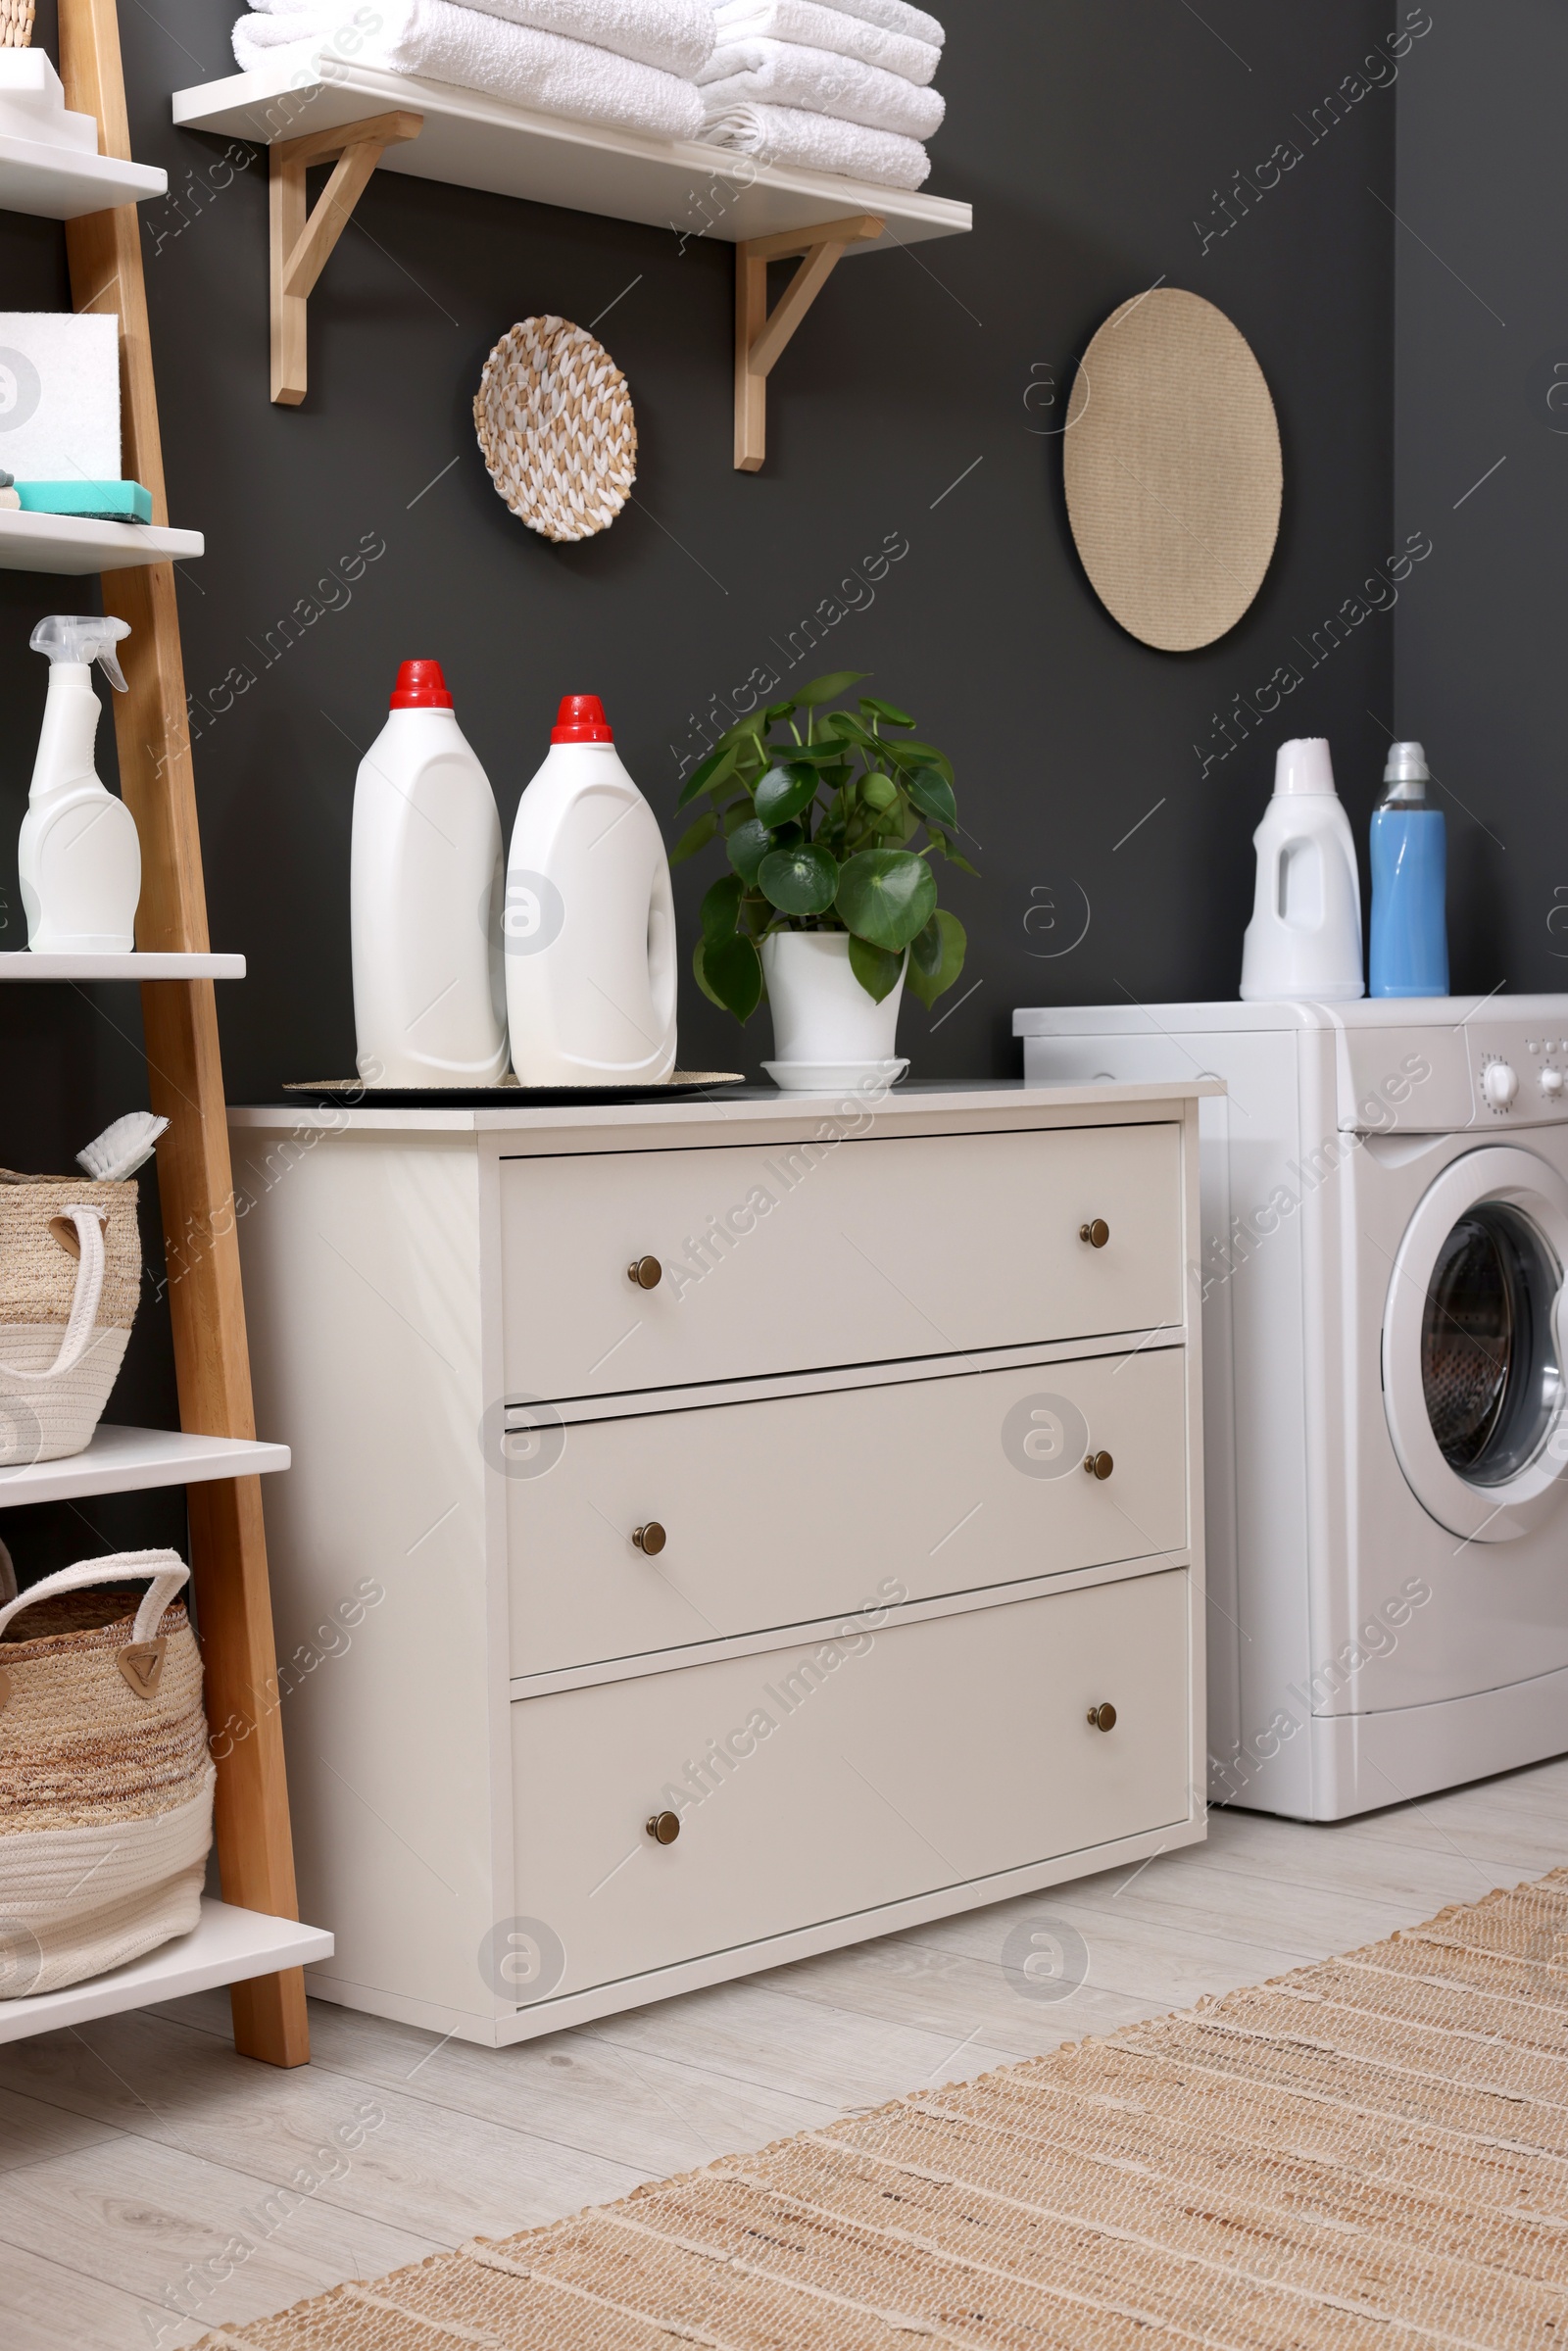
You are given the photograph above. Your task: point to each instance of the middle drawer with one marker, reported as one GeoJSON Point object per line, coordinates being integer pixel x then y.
{"type": "Point", "coordinates": [782, 1511]}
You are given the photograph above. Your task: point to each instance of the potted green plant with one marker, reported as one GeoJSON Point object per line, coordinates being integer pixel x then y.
{"type": "Point", "coordinates": [830, 902]}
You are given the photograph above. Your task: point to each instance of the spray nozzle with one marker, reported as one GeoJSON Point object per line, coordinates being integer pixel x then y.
{"type": "Point", "coordinates": [83, 637]}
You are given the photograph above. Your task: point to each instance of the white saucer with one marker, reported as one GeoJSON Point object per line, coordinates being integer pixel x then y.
{"type": "Point", "coordinates": [834, 1077]}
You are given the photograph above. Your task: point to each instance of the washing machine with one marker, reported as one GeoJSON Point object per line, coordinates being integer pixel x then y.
{"type": "Point", "coordinates": [1385, 1237]}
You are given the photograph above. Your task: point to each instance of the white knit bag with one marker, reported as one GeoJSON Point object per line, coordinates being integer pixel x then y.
{"type": "Point", "coordinates": [106, 1780]}
{"type": "Point", "coordinates": [70, 1279]}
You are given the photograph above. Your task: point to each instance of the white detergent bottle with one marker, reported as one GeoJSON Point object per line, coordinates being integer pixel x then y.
{"type": "Point", "coordinates": [1305, 939]}
{"type": "Point", "coordinates": [425, 900]}
{"type": "Point", "coordinates": [79, 858]}
{"type": "Point", "coordinates": [590, 921]}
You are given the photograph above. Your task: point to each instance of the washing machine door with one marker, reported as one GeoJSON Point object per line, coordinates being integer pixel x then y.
{"type": "Point", "coordinates": [1473, 1345]}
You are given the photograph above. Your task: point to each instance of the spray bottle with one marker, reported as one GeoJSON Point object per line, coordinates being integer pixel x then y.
{"type": "Point", "coordinates": [79, 858]}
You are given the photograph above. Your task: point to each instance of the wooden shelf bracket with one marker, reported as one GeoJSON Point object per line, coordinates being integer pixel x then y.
{"type": "Point", "coordinates": [761, 335]}
{"type": "Point", "coordinates": [302, 240]}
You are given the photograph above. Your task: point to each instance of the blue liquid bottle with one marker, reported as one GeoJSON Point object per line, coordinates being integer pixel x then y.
{"type": "Point", "coordinates": [1409, 882]}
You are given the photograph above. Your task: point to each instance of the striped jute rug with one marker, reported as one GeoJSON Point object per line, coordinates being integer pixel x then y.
{"type": "Point", "coordinates": [1371, 2152]}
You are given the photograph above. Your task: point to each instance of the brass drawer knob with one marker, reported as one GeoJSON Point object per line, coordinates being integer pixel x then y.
{"type": "Point", "coordinates": [646, 1272]}
{"type": "Point", "coordinates": [1104, 1718]}
{"type": "Point", "coordinates": [1096, 1234]}
{"type": "Point", "coordinates": [650, 1539]}
{"type": "Point", "coordinates": [1098, 1465]}
{"type": "Point", "coordinates": [665, 1827]}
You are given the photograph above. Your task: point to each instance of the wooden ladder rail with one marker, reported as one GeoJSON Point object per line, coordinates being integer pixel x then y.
{"type": "Point", "coordinates": [185, 1079]}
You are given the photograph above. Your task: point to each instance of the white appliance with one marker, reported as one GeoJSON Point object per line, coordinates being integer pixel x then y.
{"type": "Point", "coordinates": [1385, 1220]}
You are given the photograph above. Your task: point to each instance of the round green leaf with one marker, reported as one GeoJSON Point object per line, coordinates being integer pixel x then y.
{"type": "Point", "coordinates": [879, 792]}
{"type": "Point", "coordinates": [783, 791]}
{"type": "Point", "coordinates": [876, 970]}
{"type": "Point", "coordinates": [887, 896]}
{"type": "Point", "coordinates": [721, 905]}
{"type": "Point", "coordinates": [925, 952]}
{"type": "Point", "coordinates": [887, 711]}
{"type": "Point", "coordinates": [733, 972]}
{"type": "Point", "coordinates": [928, 984]}
{"type": "Point", "coordinates": [747, 847]}
{"type": "Point", "coordinates": [803, 880]}
{"type": "Point", "coordinates": [701, 979]}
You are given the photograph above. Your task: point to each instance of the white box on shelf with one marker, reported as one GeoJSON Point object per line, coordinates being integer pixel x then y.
{"type": "Point", "coordinates": [60, 395]}
{"type": "Point", "coordinates": [33, 105]}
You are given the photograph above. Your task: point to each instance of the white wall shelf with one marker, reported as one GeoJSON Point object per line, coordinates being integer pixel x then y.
{"type": "Point", "coordinates": [123, 1461]}
{"type": "Point", "coordinates": [227, 1946]}
{"type": "Point", "coordinates": [471, 140]}
{"type": "Point", "coordinates": [474, 141]}
{"type": "Point", "coordinates": [21, 963]}
{"type": "Point", "coordinates": [58, 183]}
{"type": "Point", "coordinates": [70, 543]}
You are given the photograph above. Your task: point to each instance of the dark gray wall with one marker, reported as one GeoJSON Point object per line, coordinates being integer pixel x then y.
{"type": "Point", "coordinates": [1482, 409]}
{"type": "Point", "coordinates": [1097, 141]}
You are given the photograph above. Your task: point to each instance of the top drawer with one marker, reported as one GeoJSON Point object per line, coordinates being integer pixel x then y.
{"type": "Point", "coordinates": [808, 1255]}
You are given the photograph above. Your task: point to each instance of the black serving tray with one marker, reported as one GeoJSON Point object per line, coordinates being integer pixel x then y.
{"type": "Point", "coordinates": [329, 1093]}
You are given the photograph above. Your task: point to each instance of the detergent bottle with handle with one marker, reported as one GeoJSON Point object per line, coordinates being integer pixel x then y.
{"type": "Point", "coordinates": [425, 892]}
{"type": "Point", "coordinates": [589, 929]}
{"type": "Point", "coordinates": [79, 857]}
{"type": "Point", "coordinates": [1304, 942]}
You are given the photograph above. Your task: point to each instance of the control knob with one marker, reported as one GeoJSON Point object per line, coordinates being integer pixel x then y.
{"type": "Point", "coordinates": [1499, 1083]}
{"type": "Point", "coordinates": [1551, 1084]}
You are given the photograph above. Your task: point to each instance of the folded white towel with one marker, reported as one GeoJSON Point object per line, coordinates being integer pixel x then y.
{"type": "Point", "coordinates": [821, 28]}
{"type": "Point", "coordinates": [443, 42]}
{"type": "Point", "coordinates": [894, 16]}
{"type": "Point", "coordinates": [785, 74]}
{"type": "Point", "coordinates": [677, 35]}
{"type": "Point", "coordinates": [788, 135]}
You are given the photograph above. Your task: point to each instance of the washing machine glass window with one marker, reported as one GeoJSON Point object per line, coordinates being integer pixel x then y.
{"type": "Point", "coordinates": [1474, 1326]}
{"type": "Point", "coordinates": [1489, 1359]}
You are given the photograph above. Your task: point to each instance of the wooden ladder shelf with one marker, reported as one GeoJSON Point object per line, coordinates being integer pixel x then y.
{"type": "Point", "coordinates": [179, 1018]}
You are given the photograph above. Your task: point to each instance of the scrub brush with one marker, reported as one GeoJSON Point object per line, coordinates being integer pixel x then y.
{"type": "Point", "coordinates": [122, 1149]}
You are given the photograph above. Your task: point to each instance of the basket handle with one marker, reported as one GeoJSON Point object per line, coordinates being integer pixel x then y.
{"type": "Point", "coordinates": [168, 1571]}
{"type": "Point", "coordinates": [89, 1290]}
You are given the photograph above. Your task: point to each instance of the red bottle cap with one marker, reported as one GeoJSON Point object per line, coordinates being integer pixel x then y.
{"type": "Point", "coordinates": [581, 720]}
{"type": "Point", "coordinates": [421, 686]}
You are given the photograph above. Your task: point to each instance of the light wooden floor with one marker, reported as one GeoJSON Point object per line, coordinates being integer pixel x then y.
{"type": "Point", "coordinates": [142, 2161]}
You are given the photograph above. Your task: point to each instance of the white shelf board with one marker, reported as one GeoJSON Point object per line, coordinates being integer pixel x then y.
{"type": "Point", "coordinates": [474, 141]}
{"type": "Point", "coordinates": [130, 1460]}
{"type": "Point", "coordinates": [61, 183]}
{"type": "Point", "coordinates": [70, 543]}
{"type": "Point", "coordinates": [21, 963]}
{"type": "Point", "coordinates": [227, 1946]}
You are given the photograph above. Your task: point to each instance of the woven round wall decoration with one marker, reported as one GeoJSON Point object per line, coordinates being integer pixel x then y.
{"type": "Point", "coordinates": [555, 425]}
{"type": "Point", "coordinates": [1174, 479]}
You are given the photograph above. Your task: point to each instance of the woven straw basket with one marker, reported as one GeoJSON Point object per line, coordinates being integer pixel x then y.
{"type": "Point", "coordinates": [106, 1782]}
{"type": "Point", "coordinates": [70, 1280]}
{"type": "Point", "coordinates": [16, 24]}
{"type": "Point", "coordinates": [555, 425]}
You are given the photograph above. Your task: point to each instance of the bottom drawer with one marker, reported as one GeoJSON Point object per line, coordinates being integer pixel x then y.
{"type": "Point", "coordinates": [814, 1783]}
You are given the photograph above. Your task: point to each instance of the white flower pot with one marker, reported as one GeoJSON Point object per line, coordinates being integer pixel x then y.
{"type": "Point", "coordinates": [827, 1032]}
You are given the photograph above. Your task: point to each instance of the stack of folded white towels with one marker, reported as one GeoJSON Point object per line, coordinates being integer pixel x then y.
{"type": "Point", "coordinates": [842, 87]}
{"type": "Point", "coordinates": [632, 64]}
{"type": "Point", "coordinates": [834, 85]}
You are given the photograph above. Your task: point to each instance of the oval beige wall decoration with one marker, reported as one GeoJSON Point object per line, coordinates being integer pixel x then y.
{"type": "Point", "coordinates": [1173, 472]}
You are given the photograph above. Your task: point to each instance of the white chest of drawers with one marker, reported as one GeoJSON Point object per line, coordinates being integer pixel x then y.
{"type": "Point", "coordinates": [853, 1684]}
